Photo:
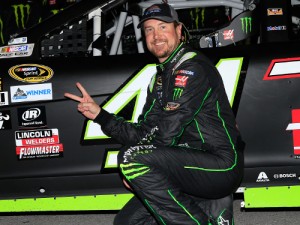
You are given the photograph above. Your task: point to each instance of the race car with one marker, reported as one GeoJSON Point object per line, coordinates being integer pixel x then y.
{"type": "Point", "coordinates": [55, 160]}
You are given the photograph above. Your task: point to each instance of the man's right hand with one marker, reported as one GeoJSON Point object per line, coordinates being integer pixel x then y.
{"type": "Point", "coordinates": [87, 105]}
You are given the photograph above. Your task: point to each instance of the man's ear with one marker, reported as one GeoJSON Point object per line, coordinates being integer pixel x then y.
{"type": "Point", "coordinates": [179, 30]}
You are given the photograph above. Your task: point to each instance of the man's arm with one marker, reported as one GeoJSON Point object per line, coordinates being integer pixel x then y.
{"type": "Point", "coordinates": [131, 133]}
{"type": "Point", "coordinates": [114, 126]}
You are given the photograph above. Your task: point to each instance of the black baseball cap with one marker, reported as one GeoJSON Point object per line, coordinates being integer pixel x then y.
{"type": "Point", "coordinates": [162, 12]}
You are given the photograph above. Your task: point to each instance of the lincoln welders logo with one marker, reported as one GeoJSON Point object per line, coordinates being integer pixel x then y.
{"type": "Point", "coordinates": [246, 24]}
{"type": "Point", "coordinates": [31, 73]}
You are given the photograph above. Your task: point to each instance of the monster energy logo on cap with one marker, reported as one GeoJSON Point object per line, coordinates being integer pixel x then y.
{"type": "Point", "coordinates": [246, 24]}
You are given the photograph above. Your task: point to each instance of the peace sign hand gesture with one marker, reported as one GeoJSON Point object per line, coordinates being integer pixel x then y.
{"type": "Point", "coordinates": [87, 105]}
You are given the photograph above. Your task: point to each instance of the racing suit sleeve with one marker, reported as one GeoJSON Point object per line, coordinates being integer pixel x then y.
{"type": "Point", "coordinates": [163, 125]}
{"type": "Point", "coordinates": [127, 132]}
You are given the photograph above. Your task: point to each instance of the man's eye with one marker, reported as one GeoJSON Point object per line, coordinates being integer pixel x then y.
{"type": "Point", "coordinates": [148, 30]}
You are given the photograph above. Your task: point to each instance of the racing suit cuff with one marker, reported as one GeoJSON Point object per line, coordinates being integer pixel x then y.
{"type": "Point", "coordinates": [102, 117]}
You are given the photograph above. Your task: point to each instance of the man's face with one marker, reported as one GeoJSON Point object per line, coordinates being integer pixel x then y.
{"type": "Point", "coordinates": [161, 38]}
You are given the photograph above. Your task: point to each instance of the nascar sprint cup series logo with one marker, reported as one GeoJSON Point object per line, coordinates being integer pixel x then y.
{"type": "Point", "coordinates": [31, 73]}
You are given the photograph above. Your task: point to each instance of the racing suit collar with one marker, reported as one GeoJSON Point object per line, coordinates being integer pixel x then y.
{"type": "Point", "coordinates": [161, 65]}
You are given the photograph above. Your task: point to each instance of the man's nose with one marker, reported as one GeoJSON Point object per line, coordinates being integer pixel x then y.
{"type": "Point", "coordinates": [156, 34]}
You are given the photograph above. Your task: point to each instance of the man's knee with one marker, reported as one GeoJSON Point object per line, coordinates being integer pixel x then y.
{"type": "Point", "coordinates": [134, 160]}
{"type": "Point", "coordinates": [134, 154]}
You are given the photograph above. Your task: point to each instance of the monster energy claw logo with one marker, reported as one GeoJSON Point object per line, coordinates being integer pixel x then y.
{"type": "Point", "coordinates": [177, 93]}
{"type": "Point", "coordinates": [246, 24]}
{"type": "Point", "coordinates": [22, 9]}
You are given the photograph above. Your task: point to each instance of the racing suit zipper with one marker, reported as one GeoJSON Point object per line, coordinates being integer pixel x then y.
{"type": "Point", "coordinates": [165, 85]}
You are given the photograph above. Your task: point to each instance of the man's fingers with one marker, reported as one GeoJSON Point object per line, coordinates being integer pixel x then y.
{"type": "Point", "coordinates": [74, 97]}
{"type": "Point", "coordinates": [82, 89]}
{"type": "Point", "coordinates": [85, 95]}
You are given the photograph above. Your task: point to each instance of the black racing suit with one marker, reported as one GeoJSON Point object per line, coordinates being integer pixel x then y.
{"type": "Point", "coordinates": [184, 149]}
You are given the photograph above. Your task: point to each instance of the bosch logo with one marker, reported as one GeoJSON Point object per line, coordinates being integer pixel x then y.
{"type": "Point", "coordinates": [31, 114]}
{"type": "Point", "coordinates": [284, 175]}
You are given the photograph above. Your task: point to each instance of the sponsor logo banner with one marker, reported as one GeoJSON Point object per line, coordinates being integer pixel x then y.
{"type": "Point", "coordinates": [32, 117]}
{"type": "Point", "coordinates": [275, 11]}
{"type": "Point", "coordinates": [34, 144]}
{"type": "Point", "coordinates": [5, 120]}
{"type": "Point", "coordinates": [45, 133]}
{"type": "Point", "coordinates": [186, 72]}
{"type": "Point", "coordinates": [31, 73]}
{"type": "Point", "coordinates": [172, 106]}
{"type": "Point", "coordinates": [246, 23]}
{"type": "Point", "coordinates": [262, 177]}
{"type": "Point", "coordinates": [39, 151]}
{"type": "Point", "coordinates": [228, 34]}
{"type": "Point", "coordinates": [285, 176]}
{"type": "Point", "coordinates": [275, 28]}
{"type": "Point", "coordinates": [15, 41]}
{"type": "Point", "coordinates": [34, 92]}
{"type": "Point", "coordinates": [38, 141]}
{"type": "Point", "coordinates": [3, 98]}
{"type": "Point", "coordinates": [14, 51]}
{"type": "Point", "coordinates": [180, 81]}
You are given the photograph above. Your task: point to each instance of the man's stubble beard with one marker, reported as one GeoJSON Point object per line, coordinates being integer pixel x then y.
{"type": "Point", "coordinates": [161, 54]}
